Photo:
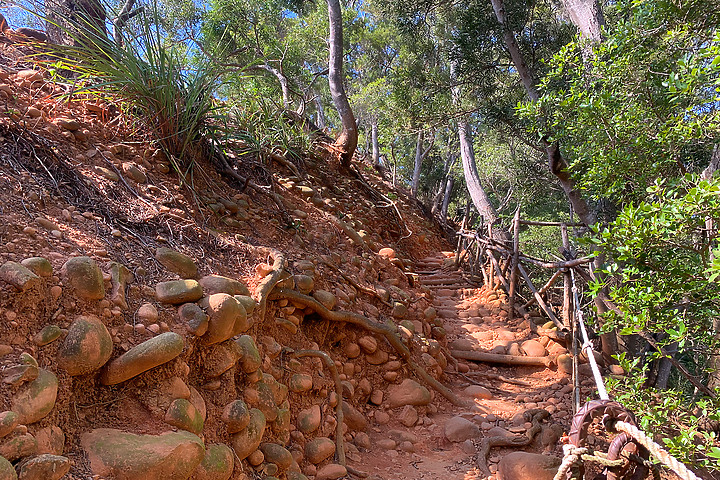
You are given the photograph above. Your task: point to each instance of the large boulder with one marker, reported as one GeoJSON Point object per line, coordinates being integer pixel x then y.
{"type": "Point", "coordinates": [218, 463]}
{"type": "Point", "coordinates": [19, 276]}
{"type": "Point", "coordinates": [409, 392]}
{"type": "Point", "coordinates": [127, 456]}
{"type": "Point", "coordinates": [227, 317]}
{"type": "Point", "coordinates": [248, 440]}
{"type": "Point", "coordinates": [527, 466]}
{"type": "Point", "coordinates": [143, 357]}
{"type": "Point", "coordinates": [84, 277]}
{"type": "Point", "coordinates": [218, 284]}
{"type": "Point", "coordinates": [459, 429]}
{"type": "Point", "coordinates": [176, 262]}
{"type": "Point", "coordinates": [87, 346]}
{"type": "Point", "coordinates": [178, 291]}
{"type": "Point", "coordinates": [36, 399]}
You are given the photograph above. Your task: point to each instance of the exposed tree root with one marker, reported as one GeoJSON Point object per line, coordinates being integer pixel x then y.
{"type": "Point", "coordinates": [375, 327]}
{"type": "Point", "coordinates": [535, 416]}
{"type": "Point", "coordinates": [267, 284]}
{"type": "Point", "coordinates": [330, 364]}
{"type": "Point", "coordinates": [504, 359]}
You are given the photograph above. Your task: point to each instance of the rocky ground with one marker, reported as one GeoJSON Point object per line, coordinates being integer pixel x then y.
{"type": "Point", "coordinates": [155, 328]}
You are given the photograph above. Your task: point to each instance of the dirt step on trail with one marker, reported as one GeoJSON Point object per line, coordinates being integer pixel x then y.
{"type": "Point", "coordinates": [427, 442]}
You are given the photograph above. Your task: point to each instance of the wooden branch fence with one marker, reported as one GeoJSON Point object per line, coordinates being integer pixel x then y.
{"type": "Point", "coordinates": [494, 257]}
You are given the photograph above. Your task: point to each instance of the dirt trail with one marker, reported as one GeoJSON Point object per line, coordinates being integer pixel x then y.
{"type": "Point", "coordinates": [474, 319]}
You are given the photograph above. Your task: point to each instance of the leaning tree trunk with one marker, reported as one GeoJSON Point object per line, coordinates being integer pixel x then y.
{"type": "Point", "coordinates": [348, 138]}
{"type": "Point", "coordinates": [558, 165]}
{"type": "Point", "coordinates": [477, 193]}
{"type": "Point", "coordinates": [414, 186]}
{"type": "Point", "coordinates": [79, 23]}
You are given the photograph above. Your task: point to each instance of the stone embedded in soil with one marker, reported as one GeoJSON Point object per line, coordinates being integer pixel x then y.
{"type": "Point", "coordinates": [147, 313]}
{"type": "Point", "coordinates": [368, 344]}
{"type": "Point", "coordinates": [47, 335]}
{"type": "Point", "coordinates": [194, 319]}
{"type": "Point", "coordinates": [564, 363]}
{"type": "Point", "coordinates": [399, 311]}
{"type": "Point", "coordinates": [352, 418]}
{"type": "Point", "coordinates": [327, 299]}
{"type": "Point", "coordinates": [409, 392]}
{"type": "Point", "coordinates": [183, 414]}
{"type": "Point", "coordinates": [464, 344]}
{"type": "Point", "coordinates": [40, 266]}
{"type": "Point", "coordinates": [35, 400]}
{"type": "Point", "coordinates": [127, 456]}
{"type": "Point", "coordinates": [248, 440]}
{"type": "Point", "coordinates": [248, 302]}
{"type": "Point", "coordinates": [87, 346]}
{"type": "Point", "coordinates": [331, 471]}
{"type": "Point", "coordinates": [304, 283]}
{"type": "Point", "coordinates": [143, 357]}
{"type": "Point", "coordinates": [478, 391]}
{"type": "Point", "coordinates": [300, 383]}
{"type": "Point", "coordinates": [459, 429]}
{"type": "Point", "coordinates": [227, 318]}
{"type": "Point", "coordinates": [8, 421]}
{"type": "Point", "coordinates": [308, 420]}
{"type": "Point", "coordinates": [408, 416]}
{"type": "Point", "coordinates": [378, 358]}
{"type": "Point", "coordinates": [250, 361]}
{"type": "Point", "coordinates": [45, 467]}
{"type": "Point", "coordinates": [176, 262]}
{"type": "Point", "coordinates": [533, 348]}
{"type": "Point", "coordinates": [84, 277]}
{"type": "Point", "coordinates": [218, 463]}
{"type": "Point", "coordinates": [527, 466]}
{"type": "Point", "coordinates": [236, 416]}
{"type": "Point", "coordinates": [7, 471]}
{"type": "Point", "coordinates": [178, 291]}
{"type": "Point", "coordinates": [26, 371]}
{"type": "Point", "coordinates": [319, 449]}
{"type": "Point", "coordinates": [51, 440]}
{"type": "Point", "coordinates": [17, 447]}
{"type": "Point", "coordinates": [277, 454]}
{"type": "Point", "coordinates": [281, 426]}
{"type": "Point", "coordinates": [19, 276]}
{"type": "Point", "coordinates": [212, 284]}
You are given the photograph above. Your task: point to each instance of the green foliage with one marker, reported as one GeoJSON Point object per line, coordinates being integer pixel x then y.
{"type": "Point", "coordinates": [671, 414]}
{"type": "Point", "coordinates": [173, 100]}
{"type": "Point", "coordinates": [639, 106]}
{"type": "Point", "coordinates": [660, 275]}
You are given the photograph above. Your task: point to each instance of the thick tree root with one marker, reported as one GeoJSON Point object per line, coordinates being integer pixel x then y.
{"type": "Point", "coordinates": [375, 327]}
{"type": "Point", "coordinates": [503, 359]}
{"type": "Point", "coordinates": [339, 416]}
{"type": "Point", "coordinates": [269, 282]}
{"type": "Point", "coordinates": [535, 416]}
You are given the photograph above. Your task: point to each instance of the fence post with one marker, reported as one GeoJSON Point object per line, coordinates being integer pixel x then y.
{"type": "Point", "coordinates": [515, 260]}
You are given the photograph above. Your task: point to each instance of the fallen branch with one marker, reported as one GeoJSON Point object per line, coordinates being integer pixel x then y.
{"type": "Point", "coordinates": [544, 288]}
{"type": "Point", "coordinates": [268, 283]}
{"type": "Point", "coordinates": [375, 327]}
{"type": "Point", "coordinates": [494, 376]}
{"type": "Point", "coordinates": [502, 359]}
{"type": "Point", "coordinates": [535, 416]}
{"type": "Point", "coordinates": [539, 299]}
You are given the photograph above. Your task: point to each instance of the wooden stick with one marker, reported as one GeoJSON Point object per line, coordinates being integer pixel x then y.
{"type": "Point", "coordinates": [550, 224]}
{"type": "Point", "coordinates": [498, 271]}
{"type": "Point", "coordinates": [545, 287]}
{"type": "Point", "coordinates": [567, 280]}
{"type": "Point", "coordinates": [539, 299]}
{"type": "Point", "coordinates": [503, 359]}
{"type": "Point", "coordinates": [515, 260]}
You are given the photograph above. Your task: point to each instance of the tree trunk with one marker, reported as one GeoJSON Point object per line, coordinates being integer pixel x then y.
{"type": "Point", "coordinates": [320, 113]}
{"type": "Point", "coordinates": [418, 164]}
{"type": "Point", "coordinates": [477, 193]}
{"type": "Point", "coordinates": [282, 79]}
{"type": "Point", "coordinates": [446, 199]}
{"type": "Point", "coordinates": [587, 16]}
{"type": "Point", "coordinates": [348, 138]}
{"type": "Point", "coordinates": [558, 165]}
{"type": "Point", "coordinates": [79, 23]}
{"type": "Point", "coordinates": [123, 17]}
{"type": "Point", "coordinates": [375, 144]}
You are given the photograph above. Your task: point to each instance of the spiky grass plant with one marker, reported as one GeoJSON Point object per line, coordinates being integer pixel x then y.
{"type": "Point", "coordinates": [170, 91]}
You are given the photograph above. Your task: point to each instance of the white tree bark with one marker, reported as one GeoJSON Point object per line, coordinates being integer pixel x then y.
{"type": "Point", "coordinates": [587, 16]}
{"type": "Point", "coordinates": [375, 143]}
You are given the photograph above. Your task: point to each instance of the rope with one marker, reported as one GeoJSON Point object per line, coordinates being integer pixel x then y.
{"type": "Point", "coordinates": [656, 450]}
{"type": "Point", "coordinates": [573, 457]}
{"type": "Point", "coordinates": [587, 344]}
